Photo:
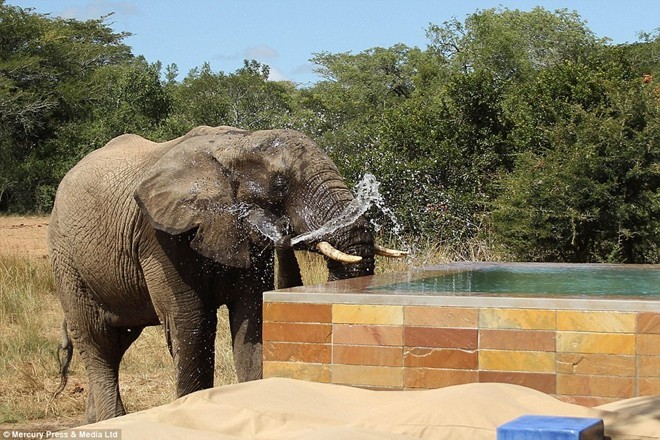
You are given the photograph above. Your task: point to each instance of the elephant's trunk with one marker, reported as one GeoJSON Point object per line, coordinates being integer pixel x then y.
{"type": "Point", "coordinates": [326, 200]}
{"type": "Point", "coordinates": [355, 239]}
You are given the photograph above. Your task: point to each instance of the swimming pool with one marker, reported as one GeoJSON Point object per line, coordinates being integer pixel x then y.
{"type": "Point", "coordinates": [590, 334]}
{"type": "Point", "coordinates": [537, 279]}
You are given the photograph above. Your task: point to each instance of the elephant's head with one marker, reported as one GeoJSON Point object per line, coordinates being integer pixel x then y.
{"type": "Point", "coordinates": [244, 192]}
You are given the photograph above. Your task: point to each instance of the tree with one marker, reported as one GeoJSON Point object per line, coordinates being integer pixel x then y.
{"type": "Point", "coordinates": [243, 99]}
{"type": "Point", "coordinates": [588, 189]}
{"type": "Point", "coordinates": [496, 114]}
{"type": "Point", "coordinates": [512, 44]}
{"type": "Point", "coordinates": [120, 98]}
{"type": "Point", "coordinates": [45, 67]}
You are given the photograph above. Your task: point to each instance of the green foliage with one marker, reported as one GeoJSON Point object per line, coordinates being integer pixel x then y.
{"type": "Point", "coordinates": [520, 128]}
{"type": "Point", "coordinates": [120, 98]}
{"type": "Point", "coordinates": [591, 195]}
{"type": "Point", "coordinates": [45, 68]}
{"type": "Point", "coordinates": [518, 125]}
{"type": "Point", "coordinates": [243, 99]}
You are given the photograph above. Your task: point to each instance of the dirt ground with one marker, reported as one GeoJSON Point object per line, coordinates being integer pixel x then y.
{"type": "Point", "coordinates": [20, 234]}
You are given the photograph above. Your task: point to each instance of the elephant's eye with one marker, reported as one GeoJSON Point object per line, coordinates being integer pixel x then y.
{"type": "Point", "coordinates": [280, 186]}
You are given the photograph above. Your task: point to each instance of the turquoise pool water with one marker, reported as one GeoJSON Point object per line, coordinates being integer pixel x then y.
{"type": "Point", "coordinates": [578, 280]}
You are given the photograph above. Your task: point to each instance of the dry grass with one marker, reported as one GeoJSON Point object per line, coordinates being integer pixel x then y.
{"type": "Point", "coordinates": [147, 372]}
{"type": "Point", "coordinates": [30, 319]}
{"type": "Point", "coordinates": [29, 323]}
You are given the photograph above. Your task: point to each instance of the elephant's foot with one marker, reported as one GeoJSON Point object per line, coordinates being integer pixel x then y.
{"type": "Point", "coordinates": [248, 362]}
{"type": "Point", "coordinates": [103, 403]}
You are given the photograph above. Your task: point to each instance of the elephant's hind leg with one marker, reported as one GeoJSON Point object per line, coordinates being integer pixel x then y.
{"type": "Point", "coordinates": [102, 354]}
{"type": "Point", "coordinates": [100, 345]}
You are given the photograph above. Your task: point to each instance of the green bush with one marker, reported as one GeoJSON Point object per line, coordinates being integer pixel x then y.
{"type": "Point", "coordinates": [590, 193]}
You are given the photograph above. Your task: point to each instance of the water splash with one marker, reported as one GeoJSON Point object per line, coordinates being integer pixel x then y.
{"type": "Point", "coordinates": [367, 194]}
{"type": "Point", "coordinates": [396, 228]}
{"type": "Point", "coordinates": [267, 224]}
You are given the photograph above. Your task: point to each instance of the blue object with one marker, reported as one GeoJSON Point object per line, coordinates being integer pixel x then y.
{"type": "Point", "coordinates": [552, 428]}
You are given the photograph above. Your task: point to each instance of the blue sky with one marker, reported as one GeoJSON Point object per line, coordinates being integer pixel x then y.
{"type": "Point", "coordinates": [286, 33]}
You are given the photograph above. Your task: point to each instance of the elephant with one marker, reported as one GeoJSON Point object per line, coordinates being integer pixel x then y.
{"type": "Point", "coordinates": [145, 233]}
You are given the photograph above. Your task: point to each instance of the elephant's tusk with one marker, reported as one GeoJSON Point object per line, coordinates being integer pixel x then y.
{"type": "Point", "coordinates": [329, 251]}
{"type": "Point", "coordinates": [391, 253]}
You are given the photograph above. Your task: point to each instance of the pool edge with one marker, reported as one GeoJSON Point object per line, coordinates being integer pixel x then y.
{"type": "Point", "coordinates": [572, 303]}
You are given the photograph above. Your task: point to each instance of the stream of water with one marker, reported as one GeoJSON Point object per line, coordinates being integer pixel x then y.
{"type": "Point", "coordinates": [367, 194]}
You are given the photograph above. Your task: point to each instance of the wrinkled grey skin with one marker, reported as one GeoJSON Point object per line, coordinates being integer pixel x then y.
{"type": "Point", "coordinates": [146, 233]}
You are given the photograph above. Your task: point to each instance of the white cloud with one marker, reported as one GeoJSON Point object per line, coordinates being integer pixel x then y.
{"type": "Point", "coordinates": [276, 74]}
{"type": "Point", "coordinates": [261, 53]}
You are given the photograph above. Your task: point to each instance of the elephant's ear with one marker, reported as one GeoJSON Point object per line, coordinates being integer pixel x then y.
{"type": "Point", "coordinates": [188, 188]}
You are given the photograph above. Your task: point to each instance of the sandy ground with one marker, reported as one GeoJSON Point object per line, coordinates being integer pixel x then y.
{"type": "Point", "coordinates": [20, 234]}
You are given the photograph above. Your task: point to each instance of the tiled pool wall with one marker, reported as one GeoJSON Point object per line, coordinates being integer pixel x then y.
{"type": "Point", "coordinates": [589, 357]}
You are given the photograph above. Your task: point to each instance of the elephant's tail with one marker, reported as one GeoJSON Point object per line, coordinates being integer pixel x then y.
{"type": "Point", "coordinates": [64, 355]}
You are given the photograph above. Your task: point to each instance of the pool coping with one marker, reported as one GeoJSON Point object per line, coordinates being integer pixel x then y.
{"type": "Point", "coordinates": [354, 291]}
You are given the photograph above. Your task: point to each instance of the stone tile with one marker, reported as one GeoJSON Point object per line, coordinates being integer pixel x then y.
{"type": "Point", "coordinates": [607, 343]}
{"type": "Point", "coordinates": [648, 386]}
{"type": "Point", "coordinates": [596, 364]}
{"type": "Point", "coordinates": [648, 366]}
{"type": "Point", "coordinates": [523, 361]}
{"type": "Point", "coordinates": [597, 386]}
{"type": "Point", "coordinates": [648, 344]}
{"type": "Point", "coordinates": [368, 355]}
{"type": "Point", "coordinates": [453, 317]}
{"type": "Point", "coordinates": [367, 314]}
{"type": "Point", "coordinates": [441, 337]}
{"type": "Point", "coordinates": [367, 375]}
{"type": "Point", "coordinates": [442, 358]}
{"type": "Point", "coordinates": [648, 322]}
{"type": "Point", "coordinates": [436, 378]}
{"type": "Point", "coordinates": [298, 370]}
{"type": "Point", "coordinates": [297, 312]}
{"type": "Point", "coordinates": [527, 319]}
{"type": "Point", "coordinates": [297, 332]}
{"type": "Point", "coordinates": [604, 322]}
{"type": "Point", "coordinates": [368, 334]}
{"type": "Point", "coordinates": [297, 352]}
{"type": "Point", "coordinates": [532, 340]}
{"type": "Point", "coordinates": [543, 382]}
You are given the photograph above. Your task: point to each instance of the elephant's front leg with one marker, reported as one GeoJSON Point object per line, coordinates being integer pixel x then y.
{"type": "Point", "coordinates": [186, 305]}
{"type": "Point", "coordinates": [191, 339]}
{"type": "Point", "coordinates": [245, 323]}
{"type": "Point", "coordinates": [245, 319]}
